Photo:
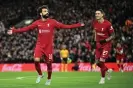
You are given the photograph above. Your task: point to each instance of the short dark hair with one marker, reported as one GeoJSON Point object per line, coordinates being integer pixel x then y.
{"type": "Point", "coordinates": [39, 10]}
{"type": "Point", "coordinates": [101, 11]}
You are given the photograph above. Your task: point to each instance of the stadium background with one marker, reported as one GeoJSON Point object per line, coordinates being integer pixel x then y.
{"type": "Point", "coordinates": [19, 47]}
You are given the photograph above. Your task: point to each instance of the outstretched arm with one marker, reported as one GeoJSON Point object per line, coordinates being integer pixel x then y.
{"type": "Point", "coordinates": [24, 29]}
{"type": "Point", "coordinates": [61, 25]}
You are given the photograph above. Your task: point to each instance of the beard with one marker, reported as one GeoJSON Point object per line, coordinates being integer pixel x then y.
{"type": "Point", "coordinates": [45, 16]}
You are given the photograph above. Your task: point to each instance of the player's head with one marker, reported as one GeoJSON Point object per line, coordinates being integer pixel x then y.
{"type": "Point", "coordinates": [43, 11]}
{"type": "Point", "coordinates": [99, 14]}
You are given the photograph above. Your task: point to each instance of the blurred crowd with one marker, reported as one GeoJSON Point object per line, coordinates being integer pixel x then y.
{"type": "Point", "coordinates": [79, 41]}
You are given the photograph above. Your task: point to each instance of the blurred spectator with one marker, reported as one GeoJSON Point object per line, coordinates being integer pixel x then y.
{"type": "Point", "coordinates": [64, 55]}
{"type": "Point", "coordinates": [2, 27]}
{"type": "Point", "coordinates": [75, 67]}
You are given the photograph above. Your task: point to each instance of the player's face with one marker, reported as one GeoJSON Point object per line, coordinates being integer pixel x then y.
{"type": "Point", "coordinates": [44, 11]}
{"type": "Point", "coordinates": [98, 15]}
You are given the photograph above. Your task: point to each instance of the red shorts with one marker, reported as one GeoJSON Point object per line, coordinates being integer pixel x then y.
{"type": "Point", "coordinates": [120, 58]}
{"type": "Point", "coordinates": [102, 51]}
{"type": "Point", "coordinates": [44, 50]}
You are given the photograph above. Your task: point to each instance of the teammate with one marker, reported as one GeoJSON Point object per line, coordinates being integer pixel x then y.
{"type": "Point", "coordinates": [104, 33]}
{"type": "Point", "coordinates": [45, 27]}
{"type": "Point", "coordinates": [119, 56]}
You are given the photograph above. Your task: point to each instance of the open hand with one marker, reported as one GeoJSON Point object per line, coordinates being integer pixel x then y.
{"type": "Point", "coordinates": [10, 32]}
{"type": "Point", "coordinates": [82, 24]}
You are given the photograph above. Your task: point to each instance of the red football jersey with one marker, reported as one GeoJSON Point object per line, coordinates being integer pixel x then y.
{"type": "Point", "coordinates": [102, 30]}
{"type": "Point", "coordinates": [45, 30]}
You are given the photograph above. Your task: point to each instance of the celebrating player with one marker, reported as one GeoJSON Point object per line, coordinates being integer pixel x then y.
{"type": "Point", "coordinates": [45, 27]}
{"type": "Point", "coordinates": [119, 56]}
{"type": "Point", "coordinates": [104, 33]}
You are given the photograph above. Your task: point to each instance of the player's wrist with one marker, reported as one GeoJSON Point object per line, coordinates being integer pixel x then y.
{"type": "Point", "coordinates": [13, 29]}
{"type": "Point", "coordinates": [82, 24]}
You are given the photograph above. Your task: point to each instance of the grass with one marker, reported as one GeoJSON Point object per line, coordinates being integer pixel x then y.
{"type": "Point", "coordinates": [65, 80]}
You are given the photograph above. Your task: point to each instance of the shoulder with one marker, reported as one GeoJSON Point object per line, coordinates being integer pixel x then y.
{"type": "Point", "coordinates": [108, 22]}
{"type": "Point", "coordinates": [94, 22]}
{"type": "Point", "coordinates": [51, 20]}
{"type": "Point", "coordinates": [37, 21]}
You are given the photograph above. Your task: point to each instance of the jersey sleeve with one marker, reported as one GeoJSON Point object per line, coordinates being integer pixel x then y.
{"type": "Point", "coordinates": [61, 25]}
{"type": "Point", "coordinates": [27, 28]}
{"type": "Point", "coordinates": [110, 28]}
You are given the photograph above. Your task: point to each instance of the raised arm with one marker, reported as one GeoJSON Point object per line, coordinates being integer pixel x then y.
{"type": "Point", "coordinates": [24, 29]}
{"type": "Point", "coordinates": [61, 25]}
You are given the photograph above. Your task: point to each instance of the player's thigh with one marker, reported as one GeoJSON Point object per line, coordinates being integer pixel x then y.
{"type": "Point", "coordinates": [105, 53]}
{"type": "Point", "coordinates": [37, 54]}
{"type": "Point", "coordinates": [48, 57]}
{"type": "Point", "coordinates": [48, 52]}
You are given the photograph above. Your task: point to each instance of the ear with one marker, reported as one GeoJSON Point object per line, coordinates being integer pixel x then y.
{"type": "Point", "coordinates": [41, 14]}
{"type": "Point", "coordinates": [102, 15]}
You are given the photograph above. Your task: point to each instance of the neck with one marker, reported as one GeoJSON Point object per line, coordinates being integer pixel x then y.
{"type": "Point", "coordinates": [43, 19]}
{"type": "Point", "coordinates": [101, 20]}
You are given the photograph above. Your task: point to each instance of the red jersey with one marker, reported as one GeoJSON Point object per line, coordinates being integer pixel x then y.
{"type": "Point", "coordinates": [102, 30]}
{"type": "Point", "coordinates": [45, 30]}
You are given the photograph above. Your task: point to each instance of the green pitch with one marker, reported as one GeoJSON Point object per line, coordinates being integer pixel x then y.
{"type": "Point", "coordinates": [65, 80]}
